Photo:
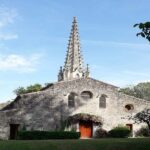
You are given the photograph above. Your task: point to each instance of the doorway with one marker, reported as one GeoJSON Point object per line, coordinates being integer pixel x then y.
{"type": "Point", "coordinates": [13, 131]}
{"type": "Point", "coordinates": [86, 129]}
{"type": "Point", "coordinates": [130, 126]}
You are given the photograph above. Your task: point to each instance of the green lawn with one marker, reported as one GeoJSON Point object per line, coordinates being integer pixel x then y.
{"type": "Point", "coordinates": [98, 144]}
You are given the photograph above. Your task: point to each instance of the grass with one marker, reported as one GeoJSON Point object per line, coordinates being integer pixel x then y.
{"type": "Point", "coordinates": [95, 144]}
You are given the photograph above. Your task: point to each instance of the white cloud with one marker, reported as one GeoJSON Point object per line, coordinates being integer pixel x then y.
{"type": "Point", "coordinates": [117, 44]}
{"type": "Point", "coordinates": [120, 78]}
{"type": "Point", "coordinates": [13, 62]}
{"type": "Point", "coordinates": [7, 17]}
{"type": "Point", "coordinates": [8, 36]}
{"type": "Point", "coordinates": [19, 63]}
{"type": "Point", "coordinates": [135, 73]}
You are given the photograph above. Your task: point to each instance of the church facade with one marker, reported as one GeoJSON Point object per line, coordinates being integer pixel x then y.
{"type": "Point", "coordinates": [77, 102]}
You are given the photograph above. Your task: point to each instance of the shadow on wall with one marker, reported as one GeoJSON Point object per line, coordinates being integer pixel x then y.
{"type": "Point", "coordinates": [43, 111]}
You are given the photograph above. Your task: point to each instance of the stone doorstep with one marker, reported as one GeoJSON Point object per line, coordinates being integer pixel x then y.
{"type": "Point", "coordinates": [85, 138]}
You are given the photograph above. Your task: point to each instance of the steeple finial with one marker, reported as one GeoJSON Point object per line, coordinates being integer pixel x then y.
{"type": "Point", "coordinates": [75, 19]}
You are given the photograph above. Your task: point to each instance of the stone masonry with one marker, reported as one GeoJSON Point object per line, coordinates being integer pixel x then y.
{"type": "Point", "coordinates": [48, 108]}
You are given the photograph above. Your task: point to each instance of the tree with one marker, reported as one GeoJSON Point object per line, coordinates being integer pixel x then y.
{"type": "Point", "coordinates": [143, 116]}
{"type": "Point", "coordinates": [128, 91]}
{"type": "Point", "coordinates": [145, 30]}
{"type": "Point", "coordinates": [34, 88]}
{"type": "Point", "coordinates": [20, 90]}
{"type": "Point", "coordinates": [29, 89]}
{"type": "Point", "coordinates": [141, 90]}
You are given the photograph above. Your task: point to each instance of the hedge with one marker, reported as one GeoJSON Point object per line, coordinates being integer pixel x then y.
{"type": "Point", "coordinates": [44, 135]}
{"type": "Point", "coordinates": [143, 132]}
{"type": "Point", "coordinates": [119, 132]}
{"type": "Point", "coordinates": [101, 133]}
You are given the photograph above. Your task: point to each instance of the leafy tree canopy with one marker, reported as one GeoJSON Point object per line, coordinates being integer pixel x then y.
{"type": "Point", "coordinates": [141, 90]}
{"type": "Point", "coordinates": [145, 30]}
{"type": "Point", "coordinates": [142, 117]}
{"type": "Point", "coordinates": [28, 89]}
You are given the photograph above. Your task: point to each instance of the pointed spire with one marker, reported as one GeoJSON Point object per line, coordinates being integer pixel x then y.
{"type": "Point", "coordinates": [73, 67]}
{"type": "Point", "coordinates": [60, 74]}
{"type": "Point", "coordinates": [74, 59]}
{"type": "Point", "coordinates": [87, 72]}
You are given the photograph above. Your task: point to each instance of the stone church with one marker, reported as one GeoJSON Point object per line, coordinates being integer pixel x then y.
{"type": "Point", "coordinates": [76, 102]}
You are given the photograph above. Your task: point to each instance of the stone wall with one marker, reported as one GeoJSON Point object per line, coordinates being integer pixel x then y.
{"type": "Point", "coordinates": [46, 110]}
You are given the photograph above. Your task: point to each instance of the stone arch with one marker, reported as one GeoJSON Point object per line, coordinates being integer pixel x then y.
{"type": "Point", "coordinates": [71, 99]}
{"type": "Point", "coordinates": [102, 101]}
{"type": "Point", "coordinates": [87, 95]}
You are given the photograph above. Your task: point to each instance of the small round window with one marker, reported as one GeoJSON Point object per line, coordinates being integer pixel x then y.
{"type": "Point", "coordinates": [129, 107]}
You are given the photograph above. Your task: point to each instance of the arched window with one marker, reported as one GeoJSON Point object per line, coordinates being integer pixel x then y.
{"type": "Point", "coordinates": [102, 101]}
{"type": "Point", "coordinates": [86, 95]}
{"type": "Point", "coordinates": [71, 99]}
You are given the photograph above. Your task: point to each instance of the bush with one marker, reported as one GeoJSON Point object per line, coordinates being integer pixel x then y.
{"type": "Point", "coordinates": [101, 133]}
{"type": "Point", "coordinates": [44, 135]}
{"type": "Point", "coordinates": [143, 132]}
{"type": "Point", "coordinates": [119, 132]}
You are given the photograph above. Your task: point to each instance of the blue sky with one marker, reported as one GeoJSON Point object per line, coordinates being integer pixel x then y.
{"type": "Point", "coordinates": [34, 37]}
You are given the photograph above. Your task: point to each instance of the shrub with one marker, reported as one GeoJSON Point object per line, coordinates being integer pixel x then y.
{"type": "Point", "coordinates": [143, 132]}
{"type": "Point", "coordinates": [44, 135]}
{"type": "Point", "coordinates": [119, 132]}
{"type": "Point", "coordinates": [101, 133]}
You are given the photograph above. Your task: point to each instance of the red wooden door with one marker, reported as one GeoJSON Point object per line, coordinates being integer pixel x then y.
{"type": "Point", "coordinates": [86, 129]}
